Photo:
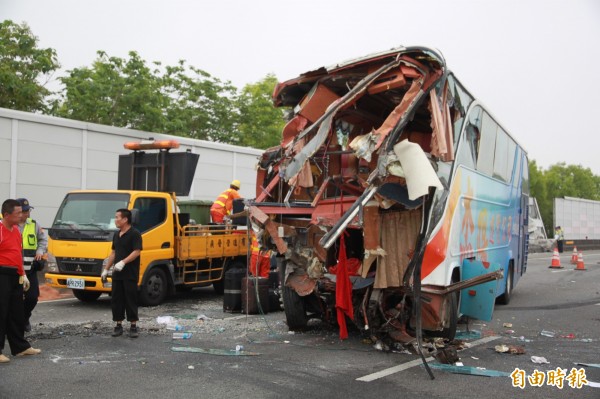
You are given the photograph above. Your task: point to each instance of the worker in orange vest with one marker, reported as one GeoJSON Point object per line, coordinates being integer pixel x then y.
{"type": "Point", "coordinates": [224, 202]}
{"type": "Point", "coordinates": [260, 261]}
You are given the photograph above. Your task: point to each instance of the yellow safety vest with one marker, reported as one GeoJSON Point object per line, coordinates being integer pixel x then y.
{"type": "Point", "coordinates": [29, 243]}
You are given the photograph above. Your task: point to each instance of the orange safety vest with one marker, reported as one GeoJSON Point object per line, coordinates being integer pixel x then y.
{"type": "Point", "coordinates": [260, 263]}
{"type": "Point", "coordinates": [224, 202]}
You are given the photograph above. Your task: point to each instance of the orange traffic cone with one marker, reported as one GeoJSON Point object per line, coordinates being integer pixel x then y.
{"type": "Point", "coordinates": [555, 260]}
{"type": "Point", "coordinates": [574, 256]}
{"type": "Point", "coordinates": [580, 265]}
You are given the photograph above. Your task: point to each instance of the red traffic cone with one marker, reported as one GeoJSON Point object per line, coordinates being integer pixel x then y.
{"type": "Point", "coordinates": [574, 256]}
{"type": "Point", "coordinates": [555, 260]}
{"type": "Point", "coordinates": [580, 265]}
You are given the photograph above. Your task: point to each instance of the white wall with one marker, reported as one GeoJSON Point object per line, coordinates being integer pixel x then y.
{"type": "Point", "coordinates": [42, 158]}
{"type": "Point", "coordinates": [579, 218]}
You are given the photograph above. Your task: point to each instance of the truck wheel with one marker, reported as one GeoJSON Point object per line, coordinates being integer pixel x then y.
{"type": "Point", "coordinates": [154, 288]}
{"type": "Point", "coordinates": [504, 299]}
{"type": "Point", "coordinates": [295, 311]}
{"type": "Point", "coordinates": [86, 296]}
{"type": "Point", "coordinates": [450, 332]}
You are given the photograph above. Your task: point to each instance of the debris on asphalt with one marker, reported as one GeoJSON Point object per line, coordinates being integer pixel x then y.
{"type": "Point", "coordinates": [569, 336]}
{"type": "Point", "coordinates": [211, 351]}
{"type": "Point", "coordinates": [165, 320]}
{"type": "Point", "coordinates": [447, 355]}
{"type": "Point", "coordinates": [512, 349]}
{"type": "Point", "coordinates": [468, 370]}
{"type": "Point", "coordinates": [546, 333]}
{"type": "Point", "coordinates": [507, 325]}
{"type": "Point", "coordinates": [597, 365]}
{"type": "Point", "coordinates": [468, 334]}
{"type": "Point", "coordinates": [539, 360]}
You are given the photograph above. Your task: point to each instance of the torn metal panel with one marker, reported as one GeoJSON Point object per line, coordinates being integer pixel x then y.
{"type": "Point", "coordinates": [325, 122]}
{"type": "Point", "coordinates": [392, 120]}
{"type": "Point", "coordinates": [441, 142]}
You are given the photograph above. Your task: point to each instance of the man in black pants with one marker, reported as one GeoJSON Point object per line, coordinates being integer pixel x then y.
{"type": "Point", "coordinates": [12, 283]}
{"type": "Point", "coordinates": [35, 245]}
{"type": "Point", "coordinates": [125, 255]}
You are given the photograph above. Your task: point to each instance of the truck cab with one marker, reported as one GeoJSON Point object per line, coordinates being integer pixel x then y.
{"type": "Point", "coordinates": [175, 253]}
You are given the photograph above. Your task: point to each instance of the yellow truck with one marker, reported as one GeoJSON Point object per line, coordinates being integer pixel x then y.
{"type": "Point", "coordinates": [177, 254]}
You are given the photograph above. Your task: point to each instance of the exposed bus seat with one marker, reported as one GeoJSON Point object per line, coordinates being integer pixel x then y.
{"type": "Point", "coordinates": [398, 193]}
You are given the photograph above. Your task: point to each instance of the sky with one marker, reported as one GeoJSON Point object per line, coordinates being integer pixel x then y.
{"type": "Point", "coordinates": [535, 64]}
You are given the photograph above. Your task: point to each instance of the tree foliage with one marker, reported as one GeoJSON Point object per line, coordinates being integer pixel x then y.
{"type": "Point", "coordinates": [199, 105]}
{"type": "Point", "coordinates": [260, 123]}
{"type": "Point", "coordinates": [561, 180]}
{"type": "Point", "coordinates": [180, 100]}
{"type": "Point", "coordinates": [24, 68]}
{"type": "Point", "coordinates": [114, 91]}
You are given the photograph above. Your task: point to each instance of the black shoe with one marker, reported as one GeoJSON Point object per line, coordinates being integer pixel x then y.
{"type": "Point", "coordinates": [27, 327]}
{"type": "Point", "coordinates": [118, 331]}
{"type": "Point", "coordinates": [133, 332]}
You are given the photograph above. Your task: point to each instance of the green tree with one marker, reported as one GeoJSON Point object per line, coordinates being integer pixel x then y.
{"type": "Point", "coordinates": [199, 105]}
{"type": "Point", "coordinates": [260, 123]}
{"type": "Point", "coordinates": [180, 100]}
{"type": "Point", "coordinates": [114, 91]}
{"type": "Point", "coordinates": [24, 68]}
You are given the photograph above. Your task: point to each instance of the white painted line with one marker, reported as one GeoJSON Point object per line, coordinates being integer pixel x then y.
{"type": "Point", "coordinates": [416, 362]}
{"type": "Point", "coordinates": [57, 300]}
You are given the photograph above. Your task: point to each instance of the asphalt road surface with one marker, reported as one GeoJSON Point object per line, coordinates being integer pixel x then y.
{"type": "Point", "coordinates": [81, 360]}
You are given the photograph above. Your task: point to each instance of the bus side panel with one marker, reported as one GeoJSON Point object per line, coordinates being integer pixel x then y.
{"type": "Point", "coordinates": [478, 301]}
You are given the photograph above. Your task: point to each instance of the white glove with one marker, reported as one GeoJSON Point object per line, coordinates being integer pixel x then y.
{"type": "Point", "coordinates": [104, 274]}
{"type": "Point", "coordinates": [26, 283]}
{"type": "Point", "coordinates": [119, 266]}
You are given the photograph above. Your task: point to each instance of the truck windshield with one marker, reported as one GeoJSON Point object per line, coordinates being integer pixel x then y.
{"type": "Point", "coordinates": [88, 215]}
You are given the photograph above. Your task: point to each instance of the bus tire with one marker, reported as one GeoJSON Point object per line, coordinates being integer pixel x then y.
{"type": "Point", "coordinates": [504, 299]}
{"type": "Point", "coordinates": [450, 331]}
{"type": "Point", "coordinates": [154, 287]}
{"type": "Point", "coordinates": [86, 296]}
{"type": "Point", "coordinates": [295, 311]}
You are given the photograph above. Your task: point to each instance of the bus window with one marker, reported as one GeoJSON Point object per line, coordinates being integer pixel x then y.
{"type": "Point", "coordinates": [525, 187]}
{"type": "Point", "coordinates": [485, 163]}
{"type": "Point", "coordinates": [517, 173]}
{"type": "Point", "coordinates": [500, 156]}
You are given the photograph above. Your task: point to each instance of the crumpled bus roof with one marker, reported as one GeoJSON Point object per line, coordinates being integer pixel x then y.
{"type": "Point", "coordinates": [281, 94]}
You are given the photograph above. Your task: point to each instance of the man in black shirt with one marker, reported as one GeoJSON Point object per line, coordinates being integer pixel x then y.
{"type": "Point", "coordinates": [125, 255]}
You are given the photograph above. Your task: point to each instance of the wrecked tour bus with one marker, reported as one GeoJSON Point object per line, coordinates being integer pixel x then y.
{"type": "Point", "coordinates": [395, 198]}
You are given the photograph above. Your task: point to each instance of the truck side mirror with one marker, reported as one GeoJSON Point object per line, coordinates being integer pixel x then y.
{"type": "Point", "coordinates": [135, 216]}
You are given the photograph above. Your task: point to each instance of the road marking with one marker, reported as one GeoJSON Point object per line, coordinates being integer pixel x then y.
{"type": "Point", "coordinates": [416, 362]}
{"type": "Point", "coordinates": [57, 300]}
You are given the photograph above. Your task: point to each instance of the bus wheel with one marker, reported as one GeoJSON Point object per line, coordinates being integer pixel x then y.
{"type": "Point", "coordinates": [504, 299]}
{"type": "Point", "coordinates": [295, 311]}
{"type": "Point", "coordinates": [450, 332]}
{"type": "Point", "coordinates": [86, 296]}
{"type": "Point", "coordinates": [154, 288]}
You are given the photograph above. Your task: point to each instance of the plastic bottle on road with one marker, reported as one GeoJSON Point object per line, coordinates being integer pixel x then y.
{"type": "Point", "coordinates": [175, 327]}
{"type": "Point", "coordinates": [182, 335]}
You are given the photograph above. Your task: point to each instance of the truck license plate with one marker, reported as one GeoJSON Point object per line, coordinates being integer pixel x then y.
{"type": "Point", "coordinates": [76, 283]}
